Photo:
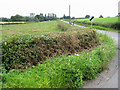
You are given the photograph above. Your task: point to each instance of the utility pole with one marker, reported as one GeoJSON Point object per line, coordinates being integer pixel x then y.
{"type": "Point", "coordinates": [69, 14]}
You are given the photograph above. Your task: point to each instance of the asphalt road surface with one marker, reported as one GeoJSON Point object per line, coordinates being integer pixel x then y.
{"type": "Point", "coordinates": [108, 78]}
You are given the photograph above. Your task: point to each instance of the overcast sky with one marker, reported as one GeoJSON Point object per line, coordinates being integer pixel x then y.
{"type": "Point", "coordinates": [79, 8]}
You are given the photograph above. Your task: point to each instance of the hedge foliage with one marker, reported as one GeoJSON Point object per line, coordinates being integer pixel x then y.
{"type": "Point", "coordinates": [63, 71]}
{"type": "Point", "coordinates": [108, 25]}
{"type": "Point", "coordinates": [22, 51]}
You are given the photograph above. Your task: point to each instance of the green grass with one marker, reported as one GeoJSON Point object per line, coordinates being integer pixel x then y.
{"type": "Point", "coordinates": [30, 28]}
{"type": "Point", "coordinates": [58, 71]}
{"type": "Point", "coordinates": [102, 20]}
{"type": "Point", "coordinates": [63, 71]}
{"type": "Point", "coordinates": [99, 27]}
{"type": "Point", "coordinates": [108, 24]}
{"type": "Point", "coordinates": [33, 28]}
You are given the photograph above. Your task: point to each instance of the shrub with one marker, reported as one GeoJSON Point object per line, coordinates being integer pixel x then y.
{"type": "Point", "coordinates": [63, 27]}
{"type": "Point", "coordinates": [22, 51]}
{"type": "Point", "coordinates": [63, 71]}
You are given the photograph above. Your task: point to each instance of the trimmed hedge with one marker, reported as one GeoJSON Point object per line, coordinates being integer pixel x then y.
{"type": "Point", "coordinates": [22, 51]}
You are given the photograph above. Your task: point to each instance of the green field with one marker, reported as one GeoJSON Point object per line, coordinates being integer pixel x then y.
{"type": "Point", "coordinates": [29, 28]}
{"type": "Point", "coordinates": [37, 28]}
{"type": "Point", "coordinates": [108, 24]}
{"type": "Point", "coordinates": [101, 20]}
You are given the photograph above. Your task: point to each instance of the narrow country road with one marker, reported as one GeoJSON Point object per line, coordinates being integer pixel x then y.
{"type": "Point", "coordinates": [108, 78]}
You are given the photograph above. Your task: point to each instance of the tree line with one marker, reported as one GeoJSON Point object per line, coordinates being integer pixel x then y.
{"type": "Point", "coordinates": [37, 18]}
{"type": "Point", "coordinates": [87, 16]}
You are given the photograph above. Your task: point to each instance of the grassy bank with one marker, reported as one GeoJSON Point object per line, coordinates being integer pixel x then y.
{"type": "Point", "coordinates": [63, 71]}
{"type": "Point", "coordinates": [108, 24]}
{"type": "Point", "coordinates": [98, 27]}
{"type": "Point", "coordinates": [102, 20]}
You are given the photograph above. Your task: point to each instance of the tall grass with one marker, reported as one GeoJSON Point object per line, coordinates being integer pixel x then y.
{"type": "Point", "coordinates": [63, 71]}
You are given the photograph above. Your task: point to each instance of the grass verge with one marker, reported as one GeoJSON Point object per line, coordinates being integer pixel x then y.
{"type": "Point", "coordinates": [63, 71]}
{"type": "Point", "coordinates": [107, 24]}
{"type": "Point", "coordinates": [99, 27]}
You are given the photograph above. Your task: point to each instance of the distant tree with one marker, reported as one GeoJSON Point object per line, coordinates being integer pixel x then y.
{"type": "Point", "coordinates": [5, 19]}
{"type": "Point", "coordinates": [28, 19]}
{"type": "Point", "coordinates": [36, 19]}
{"type": "Point", "coordinates": [64, 16]}
{"type": "Point", "coordinates": [17, 18]}
{"type": "Point", "coordinates": [45, 18]}
{"type": "Point", "coordinates": [55, 16]}
{"type": "Point", "coordinates": [87, 16]}
{"type": "Point", "coordinates": [41, 17]}
{"type": "Point", "coordinates": [37, 16]}
{"type": "Point", "coordinates": [100, 16]}
{"type": "Point", "coordinates": [73, 18]}
{"type": "Point", "coordinates": [67, 17]}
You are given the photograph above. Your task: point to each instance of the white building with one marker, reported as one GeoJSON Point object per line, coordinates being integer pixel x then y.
{"type": "Point", "coordinates": [32, 15]}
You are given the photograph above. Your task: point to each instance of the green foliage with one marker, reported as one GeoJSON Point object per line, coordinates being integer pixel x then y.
{"type": "Point", "coordinates": [63, 71]}
{"type": "Point", "coordinates": [51, 16]}
{"type": "Point", "coordinates": [65, 17]}
{"type": "Point", "coordinates": [22, 51]}
{"type": "Point", "coordinates": [28, 19]}
{"type": "Point", "coordinates": [69, 57]}
{"type": "Point", "coordinates": [100, 16]}
{"type": "Point", "coordinates": [17, 18]}
{"type": "Point", "coordinates": [87, 16]}
{"type": "Point", "coordinates": [63, 26]}
{"type": "Point", "coordinates": [5, 19]}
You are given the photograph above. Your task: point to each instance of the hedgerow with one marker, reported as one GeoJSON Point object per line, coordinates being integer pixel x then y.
{"type": "Point", "coordinates": [22, 51]}
{"type": "Point", "coordinates": [63, 71]}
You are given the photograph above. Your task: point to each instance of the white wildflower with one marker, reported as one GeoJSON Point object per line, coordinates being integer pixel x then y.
{"type": "Point", "coordinates": [76, 54]}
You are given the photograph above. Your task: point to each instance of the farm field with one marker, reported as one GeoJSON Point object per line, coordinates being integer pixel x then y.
{"type": "Point", "coordinates": [108, 24]}
{"type": "Point", "coordinates": [39, 55]}
{"type": "Point", "coordinates": [5, 23]}
{"type": "Point", "coordinates": [102, 20]}
{"type": "Point", "coordinates": [35, 28]}
{"type": "Point", "coordinates": [29, 28]}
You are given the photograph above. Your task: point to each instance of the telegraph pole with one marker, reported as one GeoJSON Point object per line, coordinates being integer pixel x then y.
{"type": "Point", "coordinates": [69, 14]}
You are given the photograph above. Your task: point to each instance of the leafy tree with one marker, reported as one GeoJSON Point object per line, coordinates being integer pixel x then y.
{"type": "Point", "coordinates": [37, 16]}
{"type": "Point", "coordinates": [17, 18]}
{"type": "Point", "coordinates": [87, 16]}
{"type": "Point", "coordinates": [100, 16]}
{"type": "Point", "coordinates": [73, 17]}
{"type": "Point", "coordinates": [5, 19]}
{"type": "Point", "coordinates": [64, 16]}
{"type": "Point", "coordinates": [45, 18]}
{"type": "Point", "coordinates": [41, 17]}
{"type": "Point", "coordinates": [28, 19]}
